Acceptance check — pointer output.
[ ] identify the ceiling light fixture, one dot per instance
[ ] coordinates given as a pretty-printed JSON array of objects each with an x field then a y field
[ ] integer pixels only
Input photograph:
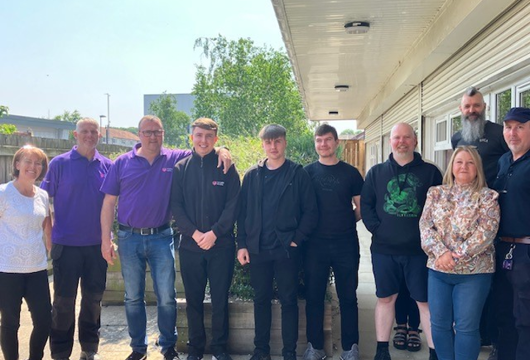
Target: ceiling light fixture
[
  {"x": 357, "y": 27},
  {"x": 341, "y": 88}
]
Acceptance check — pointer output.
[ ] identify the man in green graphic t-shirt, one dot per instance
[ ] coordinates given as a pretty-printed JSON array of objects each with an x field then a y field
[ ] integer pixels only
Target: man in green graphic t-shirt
[{"x": 392, "y": 200}]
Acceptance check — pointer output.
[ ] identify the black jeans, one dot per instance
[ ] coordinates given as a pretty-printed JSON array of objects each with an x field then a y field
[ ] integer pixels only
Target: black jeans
[
  {"x": 34, "y": 288},
  {"x": 342, "y": 255},
  {"x": 262, "y": 273},
  {"x": 407, "y": 311},
  {"x": 71, "y": 263},
  {"x": 512, "y": 301},
  {"x": 217, "y": 266}
]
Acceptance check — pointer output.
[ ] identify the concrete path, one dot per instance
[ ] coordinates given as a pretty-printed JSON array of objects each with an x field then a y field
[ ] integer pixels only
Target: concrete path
[{"x": 115, "y": 340}]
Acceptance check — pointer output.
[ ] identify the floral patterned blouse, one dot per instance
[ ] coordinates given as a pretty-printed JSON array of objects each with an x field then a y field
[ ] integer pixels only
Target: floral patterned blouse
[{"x": 458, "y": 219}]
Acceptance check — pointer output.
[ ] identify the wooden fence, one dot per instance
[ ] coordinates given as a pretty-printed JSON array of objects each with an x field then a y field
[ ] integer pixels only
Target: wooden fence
[
  {"x": 353, "y": 153},
  {"x": 9, "y": 144}
]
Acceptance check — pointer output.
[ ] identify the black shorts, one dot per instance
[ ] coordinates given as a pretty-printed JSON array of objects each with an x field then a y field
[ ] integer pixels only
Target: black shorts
[{"x": 391, "y": 270}]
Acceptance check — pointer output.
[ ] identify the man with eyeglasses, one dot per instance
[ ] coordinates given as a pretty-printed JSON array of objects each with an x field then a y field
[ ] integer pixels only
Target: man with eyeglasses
[
  {"x": 512, "y": 277},
  {"x": 141, "y": 180},
  {"x": 73, "y": 181}
]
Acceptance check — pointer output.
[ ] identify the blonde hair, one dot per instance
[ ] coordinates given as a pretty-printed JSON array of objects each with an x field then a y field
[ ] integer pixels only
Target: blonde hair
[
  {"x": 28, "y": 150},
  {"x": 480, "y": 180}
]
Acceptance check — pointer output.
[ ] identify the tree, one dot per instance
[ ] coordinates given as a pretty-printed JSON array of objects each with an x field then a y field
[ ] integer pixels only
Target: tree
[
  {"x": 4, "y": 110},
  {"x": 7, "y": 129},
  {"x": 175, "y": 122},
  {"x": 72, "y": 117},
  {"x": 244, "y": 87}
]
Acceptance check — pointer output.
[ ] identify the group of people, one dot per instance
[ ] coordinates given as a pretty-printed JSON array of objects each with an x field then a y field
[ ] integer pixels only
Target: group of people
[{"x": 440, "y": 238}]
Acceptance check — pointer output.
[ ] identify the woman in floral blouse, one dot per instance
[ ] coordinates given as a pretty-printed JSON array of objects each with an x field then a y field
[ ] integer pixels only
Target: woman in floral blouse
[{"x": 458, "y": 225}]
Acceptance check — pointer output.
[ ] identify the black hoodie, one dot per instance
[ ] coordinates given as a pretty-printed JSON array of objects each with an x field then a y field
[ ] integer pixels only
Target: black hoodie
[
  {"x": 296, "y": 216},
  {"x": 392, "y": 201}
]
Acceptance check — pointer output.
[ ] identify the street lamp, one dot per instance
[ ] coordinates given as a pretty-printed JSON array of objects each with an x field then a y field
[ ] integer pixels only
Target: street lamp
[
  {"x": 101, "y": 117},
  {"x": 108, "y": 115}
]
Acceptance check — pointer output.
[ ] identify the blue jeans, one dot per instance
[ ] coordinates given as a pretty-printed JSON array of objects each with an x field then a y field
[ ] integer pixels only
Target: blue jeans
[
  {"x": 158, "y": 251},
  {"x": 455, "y": 304}
]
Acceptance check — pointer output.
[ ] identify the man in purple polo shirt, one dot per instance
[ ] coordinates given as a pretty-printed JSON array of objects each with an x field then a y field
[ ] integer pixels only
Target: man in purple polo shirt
[
  {"x": 73, "y": 181},
  {"x": 141, "y": 179}
]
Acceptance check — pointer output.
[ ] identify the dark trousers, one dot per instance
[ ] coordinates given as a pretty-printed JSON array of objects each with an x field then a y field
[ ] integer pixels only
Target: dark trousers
[
  {"x": 34, "y": 288},
  {"x": 342, "y": 255},
  {"x": 262, "y": 273},
  {"x": 217, "y": 267},
  {"x": 512, "y": 301},
  {"x": 71, "y": 264},
  {"x": 407, "y": 311}
]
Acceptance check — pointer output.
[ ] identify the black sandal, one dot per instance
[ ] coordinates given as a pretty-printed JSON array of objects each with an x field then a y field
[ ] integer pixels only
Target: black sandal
[
  {"x": 400, "y": 337},
  {"x": 414, "y": 340}
]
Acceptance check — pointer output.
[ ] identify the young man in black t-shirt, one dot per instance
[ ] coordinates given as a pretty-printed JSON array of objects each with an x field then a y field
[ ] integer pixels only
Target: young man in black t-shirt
[
  {"x": 278, "y": 211},
  {"x": 334, "y": 244}
]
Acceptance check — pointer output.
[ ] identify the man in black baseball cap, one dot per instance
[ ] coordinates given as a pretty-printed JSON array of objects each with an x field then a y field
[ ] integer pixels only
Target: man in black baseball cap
[{"x": 512, "y": 278}]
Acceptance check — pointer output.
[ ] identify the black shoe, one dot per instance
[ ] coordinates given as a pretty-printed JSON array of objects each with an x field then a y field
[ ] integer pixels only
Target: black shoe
[
  {"x": 89, "y": 355},
  {"x": 136, "y": 356},
  {"x": 260, "y": 356},
  {"x": 289, "y": 356},
  {"x": 382, "y": 354},
  {"x": 193, "y": 357},
  {"x": 171, "y": 354},
  {"x": 221, "y": 356}
]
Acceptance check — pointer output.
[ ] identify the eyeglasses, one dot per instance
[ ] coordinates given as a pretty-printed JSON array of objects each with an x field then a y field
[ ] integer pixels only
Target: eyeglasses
[{"x": 149, "y": 133}]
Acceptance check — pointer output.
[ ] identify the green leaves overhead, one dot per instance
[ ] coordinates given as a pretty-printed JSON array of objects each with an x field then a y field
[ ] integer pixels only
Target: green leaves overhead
[{"x": 244, "y": 87}]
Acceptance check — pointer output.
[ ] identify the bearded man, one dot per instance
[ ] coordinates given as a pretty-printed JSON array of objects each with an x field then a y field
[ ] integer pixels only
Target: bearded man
[{"x": 476, "y": 131}]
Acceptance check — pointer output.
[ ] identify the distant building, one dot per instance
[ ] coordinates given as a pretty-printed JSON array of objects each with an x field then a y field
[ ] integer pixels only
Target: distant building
[
  {"x": 45, "y": 128},
  {"x": 184, "y": 102},
  {"x": 119, "y": 137}
]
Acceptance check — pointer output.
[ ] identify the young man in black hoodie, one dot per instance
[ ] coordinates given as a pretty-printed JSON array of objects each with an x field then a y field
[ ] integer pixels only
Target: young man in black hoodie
[
  {"x": 278, "y": 211},
  {"x": 204, "y": 204},
  {"x": 392, "y": 201}
]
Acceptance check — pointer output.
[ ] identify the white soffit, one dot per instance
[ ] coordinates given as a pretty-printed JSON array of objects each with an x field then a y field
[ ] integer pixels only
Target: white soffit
[{"x": 407, "y": 41}]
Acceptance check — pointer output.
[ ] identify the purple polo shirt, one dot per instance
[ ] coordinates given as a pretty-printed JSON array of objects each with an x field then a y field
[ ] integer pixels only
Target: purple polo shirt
[
  {"x": 143, "y": 189},
  {"x": 74, "y": 182}
]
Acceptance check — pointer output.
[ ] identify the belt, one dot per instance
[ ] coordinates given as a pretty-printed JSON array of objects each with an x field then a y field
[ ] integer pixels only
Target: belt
[
  {"x": 522, "y": 240},
  {"x": 144, "y": 231}
]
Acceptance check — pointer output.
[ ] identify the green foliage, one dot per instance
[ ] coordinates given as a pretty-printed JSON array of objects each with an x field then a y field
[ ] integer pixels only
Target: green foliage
[
  {"x": 244, "y": 87},
  {"x": 175, "y": 122},
  {"x": 4, "y": 110},
  {"x": 247, "y": 151},
  {"x": 72, "y": 117},
  {"x": 7, "y": 129}
]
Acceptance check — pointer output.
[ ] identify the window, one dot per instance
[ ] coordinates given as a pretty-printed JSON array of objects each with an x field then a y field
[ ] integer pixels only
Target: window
[
  {"x": 373, "y": 153},
  {"x": 441, "y": 131},
  {"x": 456, "y": 124},
  {"x": 503, "y": 104},
  {"x": 524, "y": 98}
]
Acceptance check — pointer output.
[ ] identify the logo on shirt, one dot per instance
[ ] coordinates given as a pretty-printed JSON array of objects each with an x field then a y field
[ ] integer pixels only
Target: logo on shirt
[
  {"x": 167, "y": 169},
  {"x": 218, "y": 183},
  {"x": 401, "y": 198}
]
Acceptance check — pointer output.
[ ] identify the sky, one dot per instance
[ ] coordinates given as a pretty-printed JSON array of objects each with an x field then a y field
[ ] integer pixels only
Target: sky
[{"x": 58, "y": 55}]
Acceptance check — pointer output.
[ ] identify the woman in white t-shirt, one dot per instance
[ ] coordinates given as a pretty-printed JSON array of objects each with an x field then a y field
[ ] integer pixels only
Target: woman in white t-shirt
[{"x": 24, "y": 219}]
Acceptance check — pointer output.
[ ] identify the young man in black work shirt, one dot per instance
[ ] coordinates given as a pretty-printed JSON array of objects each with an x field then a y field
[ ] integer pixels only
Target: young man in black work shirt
[
  {"x": 334, "y": 244},
  {"x": 204, "y": 204},
  {"x": 278, "y": 211}
]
